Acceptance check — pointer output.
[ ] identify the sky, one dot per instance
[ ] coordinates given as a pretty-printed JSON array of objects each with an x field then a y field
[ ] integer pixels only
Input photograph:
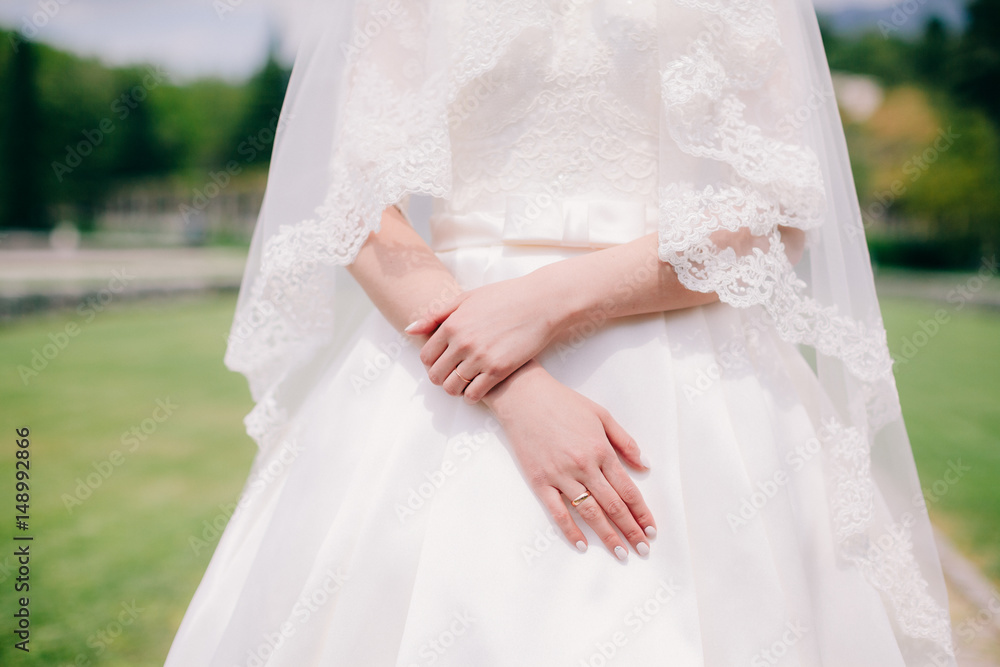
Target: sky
[{"x": 191, "y": 38}]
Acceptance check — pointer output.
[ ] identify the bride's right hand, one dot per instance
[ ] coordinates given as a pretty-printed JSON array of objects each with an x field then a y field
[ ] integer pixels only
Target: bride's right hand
[{"x": 566, "y": 444}]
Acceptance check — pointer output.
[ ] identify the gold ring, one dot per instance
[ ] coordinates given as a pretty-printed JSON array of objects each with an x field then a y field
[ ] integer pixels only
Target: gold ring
[
  {"x": 461, "y": 378},
  {"x": 580, "y": 498}
]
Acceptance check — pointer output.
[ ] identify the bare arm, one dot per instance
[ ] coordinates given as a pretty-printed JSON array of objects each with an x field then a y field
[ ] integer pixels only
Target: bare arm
[
  {"x": 487, "y": 333},
  {"x": 573, "y": 451},
  {"x": 400, "y": 273},
  {"x": 630, "y": 279}
]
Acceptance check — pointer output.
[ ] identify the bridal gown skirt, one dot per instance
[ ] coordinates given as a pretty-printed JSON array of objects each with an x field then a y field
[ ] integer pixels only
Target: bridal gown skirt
[{"x": 392, "y": 527}]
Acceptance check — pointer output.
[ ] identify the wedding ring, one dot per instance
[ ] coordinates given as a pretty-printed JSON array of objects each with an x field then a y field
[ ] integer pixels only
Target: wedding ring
[
  {"x": 462, "y": 378},
  {"x": 580, "y": 498}
]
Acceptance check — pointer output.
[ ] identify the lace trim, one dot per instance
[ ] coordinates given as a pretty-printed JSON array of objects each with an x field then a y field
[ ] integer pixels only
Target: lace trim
[
  {"x": 853, "y": 496},
  {"x": 774, "y": 182},
  {"x": 395, "y": 140},
  {"x": 726, "y": 239},
  {"x": 397, "y": 125},
  {"x": 263, "y": 421},
  {"x": 691, "y": 222},
  {"x": 886, "y": 562}
]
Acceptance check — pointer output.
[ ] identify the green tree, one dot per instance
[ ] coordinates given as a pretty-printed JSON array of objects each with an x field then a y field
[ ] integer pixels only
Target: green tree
[
  {"x": 24, "y": 204},
  {"x": 934, "y": 53},
  {"x": 977, "y": 74},
  {"x": 254, "y": 137},
  {"x": 141, "y": 150}
]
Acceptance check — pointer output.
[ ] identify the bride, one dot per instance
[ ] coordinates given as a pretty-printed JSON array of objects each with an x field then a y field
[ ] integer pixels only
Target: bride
[{"x": 627, "y": 400}]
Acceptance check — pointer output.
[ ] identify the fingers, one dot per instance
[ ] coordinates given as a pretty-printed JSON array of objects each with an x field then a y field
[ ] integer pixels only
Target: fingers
[
  {"x": 553, "y": 501},
  {"x": 431, "y": 357},
  {"x": 471, "y": 385},
  {"x": 481, "y": 385},
  {"x": 421, "y": 327},
  {"x": 457, "y": 382},
  {"x": 622, "y": 441},
  {"x": 618, "y": 513},
  {"x": 638, "y": 511},
  {"x": 590, "y": 511},
  {"x": 433, "y": 318},
  {"x": 622, "y": 484},
  {"x": 458, "y": 376}
]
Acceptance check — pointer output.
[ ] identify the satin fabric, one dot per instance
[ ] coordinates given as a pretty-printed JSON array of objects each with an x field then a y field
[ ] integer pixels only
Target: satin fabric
[
  {"x": 720, "y": 112},
  {"x": 391, "y": 526}
]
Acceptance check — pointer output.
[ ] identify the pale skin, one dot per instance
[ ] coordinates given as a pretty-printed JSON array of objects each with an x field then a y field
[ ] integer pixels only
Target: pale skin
[{"x": 564, "y": 442}]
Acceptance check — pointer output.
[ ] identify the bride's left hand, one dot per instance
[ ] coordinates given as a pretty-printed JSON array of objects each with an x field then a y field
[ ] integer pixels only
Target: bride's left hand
[{"x": 487, "y": 333}]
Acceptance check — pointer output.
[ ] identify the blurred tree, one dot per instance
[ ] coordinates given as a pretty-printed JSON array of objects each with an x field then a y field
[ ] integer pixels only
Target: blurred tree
[
  {"x": 961, "y": 198},
  {"x": 141, "y": 150},
  {"x": 72, "y": 130},
  {"x": 79, "y": 148},
  {"x": 197, "y": 122},
  {"x": 254, "y": 137},
  {"x": 977, "y": 74},
  {"x": 23, "y": 204},
  {"x": 5, "y": 56},
  {"x": 889, "y": 59},
  {"x": 934, "y": 53}
]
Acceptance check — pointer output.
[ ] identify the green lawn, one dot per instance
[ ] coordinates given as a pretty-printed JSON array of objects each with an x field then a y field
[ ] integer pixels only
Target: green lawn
[
  {"x": 950, "y": 391},
  {"x": 128, "y": 541}
]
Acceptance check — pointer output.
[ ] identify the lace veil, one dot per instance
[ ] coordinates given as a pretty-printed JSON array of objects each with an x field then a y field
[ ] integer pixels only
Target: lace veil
[{"x": 745, "y": 100}]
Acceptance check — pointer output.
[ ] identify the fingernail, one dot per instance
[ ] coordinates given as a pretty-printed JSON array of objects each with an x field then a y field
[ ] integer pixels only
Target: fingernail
[
  {"x": 411, "y": 326},
  {"x": 643, "y": 460},
  {"x": 581, "y": 546},
  {"x": 642, "y": 548},
  {"x": 620, "y": 552},
  {"x": 650, "y": 532}
]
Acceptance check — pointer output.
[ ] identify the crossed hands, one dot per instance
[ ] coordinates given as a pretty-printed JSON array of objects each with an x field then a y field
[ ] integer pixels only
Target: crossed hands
[{"x": 565, "y": 443}]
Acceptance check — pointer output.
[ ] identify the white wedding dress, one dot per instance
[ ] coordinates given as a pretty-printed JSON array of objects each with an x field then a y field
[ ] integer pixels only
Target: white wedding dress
[{"x": 390, "y": 526}]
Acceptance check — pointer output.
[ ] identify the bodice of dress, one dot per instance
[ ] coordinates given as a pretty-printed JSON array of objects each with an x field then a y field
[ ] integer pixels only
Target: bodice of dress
[{"x": 558, "y": 144}]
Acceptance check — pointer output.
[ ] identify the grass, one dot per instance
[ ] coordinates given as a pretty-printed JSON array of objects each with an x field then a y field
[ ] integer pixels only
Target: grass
[
  {"x": 128, "y": 541},
  {"x": 950, "y": 394}
]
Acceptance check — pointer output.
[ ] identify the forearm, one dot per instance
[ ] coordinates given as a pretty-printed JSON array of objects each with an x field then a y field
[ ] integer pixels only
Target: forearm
[
  {"x": 623, "y": 280},
  {"x": 400, "y": 273},
  {"x": 628, "y": 279},
  {"x": 486, "y": 334},
  {"x": 547, "y": 424},
  {"x": 403, "y": 278}
]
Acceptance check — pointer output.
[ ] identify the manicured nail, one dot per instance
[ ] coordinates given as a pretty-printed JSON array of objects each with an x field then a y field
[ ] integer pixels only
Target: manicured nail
[
  {"x": 581, "y": 546},
  {"x": 642, "y": 548},
  {"x": 643, "y": 460},
  {"x": 620, "y": 552},
  {"x": 411, "y": 326},
  {"x": 650, "y": 532}
]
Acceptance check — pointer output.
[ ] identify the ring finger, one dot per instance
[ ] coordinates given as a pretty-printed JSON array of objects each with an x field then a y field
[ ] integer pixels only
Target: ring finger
[
  {"x": 619, "y": 513},
  {"x": 590, "y": 511},
  {"x": 458, "y": 381}
]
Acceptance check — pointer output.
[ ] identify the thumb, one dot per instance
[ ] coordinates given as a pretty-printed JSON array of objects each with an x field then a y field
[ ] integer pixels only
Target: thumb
[
  {"x": 427, "y": 323},
  {"x": 623, "y": 443}
]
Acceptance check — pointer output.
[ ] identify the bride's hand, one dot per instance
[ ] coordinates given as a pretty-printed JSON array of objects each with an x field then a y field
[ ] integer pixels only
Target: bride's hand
[
  {"x": 483, "y": 335},
  {"x": 566, "y": 444}
]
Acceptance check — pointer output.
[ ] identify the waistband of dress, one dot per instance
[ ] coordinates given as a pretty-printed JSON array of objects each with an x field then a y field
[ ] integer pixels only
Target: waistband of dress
[{"x": 541, "y": 220}]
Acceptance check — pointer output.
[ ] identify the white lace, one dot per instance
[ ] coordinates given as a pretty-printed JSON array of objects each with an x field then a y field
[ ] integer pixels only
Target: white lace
[
  {"x": 886, "y": 561},
  {"x": 726, "y": 239},
  {"x": 532, "y": 96}
]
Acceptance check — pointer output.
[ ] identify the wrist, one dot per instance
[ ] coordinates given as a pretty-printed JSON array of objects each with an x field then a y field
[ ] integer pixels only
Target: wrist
[
  {"x": 568, "y": 297},
  {"x": 503, "y": 398}
]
